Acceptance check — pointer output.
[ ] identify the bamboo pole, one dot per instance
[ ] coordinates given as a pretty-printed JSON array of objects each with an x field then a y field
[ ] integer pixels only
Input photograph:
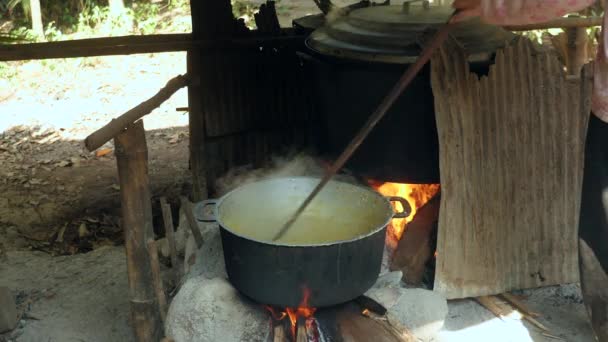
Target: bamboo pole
[
  {"x": 559, "y": 23},
  {"x": 128, "y": 45},
  {"x": 114, "y": 127},
  {"x": 132, "y": 162}
]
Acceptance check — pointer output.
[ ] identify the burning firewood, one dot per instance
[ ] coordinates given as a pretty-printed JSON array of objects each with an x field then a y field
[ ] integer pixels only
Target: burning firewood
[
  {"x": 279, "y": 332},
  {"x": 414, "y": 249},
  {"x": 301, "y": 335}
]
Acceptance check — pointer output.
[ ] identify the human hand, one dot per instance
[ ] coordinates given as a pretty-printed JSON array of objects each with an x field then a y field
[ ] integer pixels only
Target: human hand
[
  {"x": 491, "y": 11},
  {"x": 516, "y": 12}
]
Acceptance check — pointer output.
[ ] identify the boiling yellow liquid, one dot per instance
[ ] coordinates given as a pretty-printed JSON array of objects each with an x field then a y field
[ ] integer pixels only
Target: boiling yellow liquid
[
  {"x": 341, "y": 212},
  {"x": 306, "y": 230}
]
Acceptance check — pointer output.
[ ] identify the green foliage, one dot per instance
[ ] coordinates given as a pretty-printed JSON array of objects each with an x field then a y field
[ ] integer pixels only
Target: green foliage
[
  {"x": 25, "y": 5},
  {"x": 7, "y": 71},
  {"x": 245, "y": 10},
  {"x": 92, "y": 18},
  {"x": 78, "y": 19}
]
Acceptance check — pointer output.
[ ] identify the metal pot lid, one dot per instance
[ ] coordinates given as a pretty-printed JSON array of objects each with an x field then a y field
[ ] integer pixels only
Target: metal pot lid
[{"x": 395, "y": 34}]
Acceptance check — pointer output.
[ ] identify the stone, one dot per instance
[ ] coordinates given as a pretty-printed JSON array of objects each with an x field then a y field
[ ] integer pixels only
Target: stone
[
  {"x": 422, "y": 311},
  {"x": 390, "y": 279},
  {"x": 209, "y": 310},
  {"x": 387, "y": 289},
  {"x": 387, "y": 296},
  {"x": 8, "y": 310},
  {"x": 208, "y": 261}
]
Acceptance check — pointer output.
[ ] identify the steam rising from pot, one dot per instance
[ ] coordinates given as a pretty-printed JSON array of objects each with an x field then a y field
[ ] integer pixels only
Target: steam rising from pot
[{"x": 299, "y": 165}]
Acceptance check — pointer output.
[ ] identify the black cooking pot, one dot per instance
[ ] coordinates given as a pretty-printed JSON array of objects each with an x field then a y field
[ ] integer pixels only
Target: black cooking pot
[
  {"x": 354, "y": 61},
  {"x": 331, "y": 255}
]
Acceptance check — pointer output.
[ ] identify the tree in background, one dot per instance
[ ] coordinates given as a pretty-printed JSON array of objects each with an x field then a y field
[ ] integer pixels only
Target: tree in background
[
  {"x": 31, "y": 8},
  {"x": 116, "y": 6}
]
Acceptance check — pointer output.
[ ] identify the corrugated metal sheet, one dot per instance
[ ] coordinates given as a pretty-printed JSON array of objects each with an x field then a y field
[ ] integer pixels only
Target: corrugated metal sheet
[
  {"x": 511, "y": 159},
  {"x": 255, "y": 103},
  {"x": 255, "y": 90}
]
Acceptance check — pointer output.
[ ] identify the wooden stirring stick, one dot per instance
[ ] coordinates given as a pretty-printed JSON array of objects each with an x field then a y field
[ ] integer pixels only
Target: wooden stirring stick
[{"x": 386, "y": 104}]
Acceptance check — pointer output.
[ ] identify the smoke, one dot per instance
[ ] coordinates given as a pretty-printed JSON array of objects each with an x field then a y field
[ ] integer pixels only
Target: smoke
[
  {"x": 299, "y": 165},
  {"x": 334, "y": 14}
]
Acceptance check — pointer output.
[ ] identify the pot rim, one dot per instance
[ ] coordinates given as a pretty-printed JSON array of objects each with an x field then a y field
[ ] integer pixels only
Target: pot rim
[{"x": 372, "y": 232}]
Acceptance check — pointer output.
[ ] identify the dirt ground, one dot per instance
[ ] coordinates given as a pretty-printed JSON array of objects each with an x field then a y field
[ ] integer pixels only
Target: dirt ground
[{"x": 60, "y": 236}]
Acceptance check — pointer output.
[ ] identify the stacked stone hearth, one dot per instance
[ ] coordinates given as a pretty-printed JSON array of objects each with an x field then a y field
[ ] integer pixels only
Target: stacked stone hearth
[{"x": 208, "y": 308}]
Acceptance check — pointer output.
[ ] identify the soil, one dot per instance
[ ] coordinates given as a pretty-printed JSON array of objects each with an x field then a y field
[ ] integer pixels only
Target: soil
[{"x": 60, "y": 231}]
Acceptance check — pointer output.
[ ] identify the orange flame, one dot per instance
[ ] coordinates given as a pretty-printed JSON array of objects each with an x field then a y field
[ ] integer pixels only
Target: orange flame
[
  {"x": 303, "y": 310},
  {"x": 416, "y": 194}
]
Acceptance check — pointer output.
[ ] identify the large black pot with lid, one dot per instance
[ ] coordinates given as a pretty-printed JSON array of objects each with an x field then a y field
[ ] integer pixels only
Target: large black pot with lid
[{"x": 355, "y": 58}]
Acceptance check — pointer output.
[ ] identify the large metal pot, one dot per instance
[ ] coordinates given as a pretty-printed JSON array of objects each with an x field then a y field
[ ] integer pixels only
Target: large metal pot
[
  {"x": 333, "y": 253},
  {"x": 355, "y": 59}
]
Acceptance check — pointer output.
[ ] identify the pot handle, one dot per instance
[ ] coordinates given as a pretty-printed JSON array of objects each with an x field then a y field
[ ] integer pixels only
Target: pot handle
[
  {"x": 407, "y": 208},
  {"x": 199, "y": 211}
]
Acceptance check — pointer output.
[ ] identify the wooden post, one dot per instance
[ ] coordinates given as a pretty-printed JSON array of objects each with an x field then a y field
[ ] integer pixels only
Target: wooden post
[
  {"x": 197, "y": 128},
  {"x": 132, "y": 161},
  {"x": 213, "y": 20},
  {"x": 576, "y": 49},
  {"x": 195, "y": 115}
]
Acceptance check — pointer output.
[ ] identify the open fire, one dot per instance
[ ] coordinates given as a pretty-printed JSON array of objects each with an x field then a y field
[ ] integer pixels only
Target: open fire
[
  {"x": 416, "y": 194},
  {"x": 303, "y": 311}
]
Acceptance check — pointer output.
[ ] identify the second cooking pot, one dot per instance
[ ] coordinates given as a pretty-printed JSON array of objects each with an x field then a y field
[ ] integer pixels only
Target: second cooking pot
[
  {"x": 354, "y": 61},
  {"x": 332, "y": 254}
]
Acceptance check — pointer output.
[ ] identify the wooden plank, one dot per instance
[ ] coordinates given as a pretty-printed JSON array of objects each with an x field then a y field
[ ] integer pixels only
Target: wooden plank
[
  {"x": 559, "y": 23},
  {"x": 128, "y": 45},
  {"x": 132, "y": 160},
  {"x": 510, "y": 161}
]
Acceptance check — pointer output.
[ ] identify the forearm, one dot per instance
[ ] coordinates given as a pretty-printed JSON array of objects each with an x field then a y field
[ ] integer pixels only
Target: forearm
[{"x": 520, "y": 12}]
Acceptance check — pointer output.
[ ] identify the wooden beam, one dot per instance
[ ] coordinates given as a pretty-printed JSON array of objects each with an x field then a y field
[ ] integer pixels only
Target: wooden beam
[
  {"x": 132, "y": 161},
  {"x": 114, "y": 127},
  {"x": 128, "y": 45},
  {"x": 559, "y": 23}
]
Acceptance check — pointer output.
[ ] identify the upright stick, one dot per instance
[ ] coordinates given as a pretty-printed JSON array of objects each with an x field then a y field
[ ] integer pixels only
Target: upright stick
[
  {"x": 158, "y": 281},
  {"x": 169, "y": 230},
  {"x": 132, "y": 160},
  {"x": 385, "y": 105}
]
